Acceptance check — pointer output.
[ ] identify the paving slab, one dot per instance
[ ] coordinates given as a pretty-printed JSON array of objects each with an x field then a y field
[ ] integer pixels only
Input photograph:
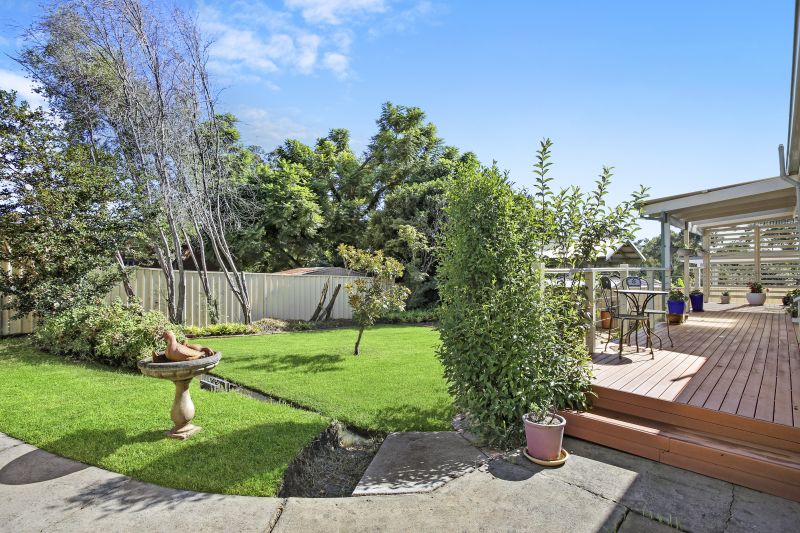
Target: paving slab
[
  {"x": 418, "y": 462},
  {"x": 476, "y": 501},
  {"x": 692, "y": 501},
  {"x": 42, "y": 491},
  {"x": 636, "y": 523},
  {"x": 8, "y": 442},
  {"x": 756, "y": 511},
  {"x": 139, "y": 506}
]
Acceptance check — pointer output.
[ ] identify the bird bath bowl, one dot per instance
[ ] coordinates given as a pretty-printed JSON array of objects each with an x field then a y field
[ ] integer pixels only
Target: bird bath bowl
[{"x": 180, "y": 373}]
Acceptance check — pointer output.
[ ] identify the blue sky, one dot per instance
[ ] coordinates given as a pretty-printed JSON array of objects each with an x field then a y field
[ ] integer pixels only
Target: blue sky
[{"x": 676, "y": 95}]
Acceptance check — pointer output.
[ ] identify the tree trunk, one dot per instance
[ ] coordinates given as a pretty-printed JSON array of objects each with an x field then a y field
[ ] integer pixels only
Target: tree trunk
[
  {"x": 329, "y": 308},
  {"x": 321, "y": 303},
  {"x": 126, "y": 281},
  {"x": 358, "y": 340}
]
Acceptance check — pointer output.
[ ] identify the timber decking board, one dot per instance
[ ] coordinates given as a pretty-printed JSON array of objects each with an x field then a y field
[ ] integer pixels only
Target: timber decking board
[{"x": 735, "y": 359}]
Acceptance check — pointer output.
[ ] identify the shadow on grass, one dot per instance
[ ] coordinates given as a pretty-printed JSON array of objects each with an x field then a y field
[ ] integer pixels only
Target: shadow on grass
[
  {"x": 315, "y": 363},
  {"x": 248, "y": 461}
]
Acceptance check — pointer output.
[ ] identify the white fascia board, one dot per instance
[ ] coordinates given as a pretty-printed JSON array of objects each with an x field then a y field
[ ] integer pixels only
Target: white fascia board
[
  {"x": 742, "y": 219},
  {"x": 733, "y": 192}
]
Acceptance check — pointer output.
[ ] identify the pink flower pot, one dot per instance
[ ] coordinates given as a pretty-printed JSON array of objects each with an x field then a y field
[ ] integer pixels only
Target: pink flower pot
[{"x": 544, "y": 440}]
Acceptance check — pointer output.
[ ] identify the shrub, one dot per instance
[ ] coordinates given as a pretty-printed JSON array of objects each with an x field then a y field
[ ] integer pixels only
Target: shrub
[
  {"x": 226, "y": 328},
  {"x": 509, "y": 345},
  {"x": 756, "y": 287},
  {"x": 411, "y": 316},
  {"x": 116, "y": 334}
]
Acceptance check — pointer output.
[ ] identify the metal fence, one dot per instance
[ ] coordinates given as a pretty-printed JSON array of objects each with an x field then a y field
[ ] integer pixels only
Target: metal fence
[{"x": 288, "y": 297}]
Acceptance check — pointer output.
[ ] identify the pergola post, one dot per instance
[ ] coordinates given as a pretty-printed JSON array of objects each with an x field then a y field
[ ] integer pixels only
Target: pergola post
[
  {"x": 706, "y": 266},
  {"x": 666, "y": 250},
  {"x": 686, "y": 282}
]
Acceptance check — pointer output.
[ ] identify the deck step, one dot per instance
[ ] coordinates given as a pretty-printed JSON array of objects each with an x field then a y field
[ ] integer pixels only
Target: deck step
[
  {"x": 720, "y": 424},
  {"x": 754, "y": 465}
]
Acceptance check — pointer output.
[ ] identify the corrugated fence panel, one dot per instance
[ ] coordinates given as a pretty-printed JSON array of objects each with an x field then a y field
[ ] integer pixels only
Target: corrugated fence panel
[{"x": 271, "y": 296}]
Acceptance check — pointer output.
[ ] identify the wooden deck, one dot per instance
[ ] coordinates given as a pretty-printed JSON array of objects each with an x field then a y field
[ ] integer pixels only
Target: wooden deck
[
  {"x": 723, "y": 401},
  {"x": 735, "y": 359}
]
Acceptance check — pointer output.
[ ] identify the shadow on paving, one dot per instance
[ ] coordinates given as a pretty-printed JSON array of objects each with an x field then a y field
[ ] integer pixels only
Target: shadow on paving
[
  {"x": 418, "y": 462},
  {"x": 37, "y": 466}
]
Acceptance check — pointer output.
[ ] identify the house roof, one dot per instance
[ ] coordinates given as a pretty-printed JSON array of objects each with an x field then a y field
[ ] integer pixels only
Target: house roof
[
  {"x": 747, "y": 201},
  {"x": 627, "y": 251},
  {"x": 319, "y": 271}
]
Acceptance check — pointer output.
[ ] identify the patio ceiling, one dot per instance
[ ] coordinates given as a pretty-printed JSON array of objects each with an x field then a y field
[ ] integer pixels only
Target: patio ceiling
[{"x": 749, "y": 201}]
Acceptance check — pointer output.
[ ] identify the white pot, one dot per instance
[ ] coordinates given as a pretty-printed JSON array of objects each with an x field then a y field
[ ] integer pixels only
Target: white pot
[
  {"x": 756, "y": 298},
  {"x": 725, "y": 299}
]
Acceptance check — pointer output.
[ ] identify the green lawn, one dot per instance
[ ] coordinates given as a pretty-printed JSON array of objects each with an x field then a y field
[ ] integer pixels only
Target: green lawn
[
  {"x": 116, "y": 420},
  {"x": 396, "y": 383}
]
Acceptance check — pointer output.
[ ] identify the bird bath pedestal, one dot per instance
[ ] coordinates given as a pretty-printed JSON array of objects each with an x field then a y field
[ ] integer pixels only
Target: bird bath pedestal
[{"x": 180, "y": 373}]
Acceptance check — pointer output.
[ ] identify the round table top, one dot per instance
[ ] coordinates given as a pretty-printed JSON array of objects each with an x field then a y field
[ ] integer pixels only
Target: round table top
[{"x": 642, "y": 291}]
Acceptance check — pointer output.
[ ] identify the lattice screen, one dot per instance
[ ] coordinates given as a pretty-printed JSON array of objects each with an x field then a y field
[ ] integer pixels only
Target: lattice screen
[{"x": 768, "y": 252}]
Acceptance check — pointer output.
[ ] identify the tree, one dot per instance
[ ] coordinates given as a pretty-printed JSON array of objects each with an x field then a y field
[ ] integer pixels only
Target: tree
[
  {"x": 62, "y": 214},
  {"x": 132, "y": 78},
  {"x": 350, "y": 190},
  {"x": 374, "y": 297}
]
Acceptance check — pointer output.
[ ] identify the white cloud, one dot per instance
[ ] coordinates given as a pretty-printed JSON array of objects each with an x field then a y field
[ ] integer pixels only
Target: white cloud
[
  {"x": 337, "y": 63},
  {"x": 334, "y": 11},
  {"x": 253, "y": 42},
  {"x": 269, "y": 129},
  {"x": 241, "y": 52},
  {"x": 13, "y": 81}
]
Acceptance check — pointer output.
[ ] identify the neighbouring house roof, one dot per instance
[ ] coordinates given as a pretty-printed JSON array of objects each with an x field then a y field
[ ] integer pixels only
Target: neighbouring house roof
[
  {"x": 319, "y": 271},
  {"x": 627, "y": 252}
]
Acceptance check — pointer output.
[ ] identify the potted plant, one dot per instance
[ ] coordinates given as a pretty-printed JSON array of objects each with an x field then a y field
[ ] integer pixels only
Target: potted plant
[
  {"x": 696, "y": 297},
  {"x": 676, "y": 305},
  {"x": 725, "y": 298},
  {"x": 790, "y": 296},
  {"x": 544, "y": 435},
  {"x": 757, "y": 295}
]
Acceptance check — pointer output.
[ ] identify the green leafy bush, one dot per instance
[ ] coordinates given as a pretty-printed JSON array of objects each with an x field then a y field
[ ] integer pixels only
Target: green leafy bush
[
  {"x": 411, "y": 316},
  {"x": 214, "y": 330},
  {"x": 509, "y": 345},
  {"x": 116, "y": 334}
]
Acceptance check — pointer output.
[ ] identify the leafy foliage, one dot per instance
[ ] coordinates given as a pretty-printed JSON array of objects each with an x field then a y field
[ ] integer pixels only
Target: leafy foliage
[
  {"x": 374, "y": 297},
  {"x": 225, "y": 328},
  {"x": 511, "y": 344},
  {"x": 62, "y": 214},
  {"x": 116, "y": 334}
]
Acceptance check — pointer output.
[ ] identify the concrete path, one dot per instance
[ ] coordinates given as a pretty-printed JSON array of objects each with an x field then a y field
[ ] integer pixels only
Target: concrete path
[
  {"x": 418, "y": 461},
  {"x": 597, "y": 490}
]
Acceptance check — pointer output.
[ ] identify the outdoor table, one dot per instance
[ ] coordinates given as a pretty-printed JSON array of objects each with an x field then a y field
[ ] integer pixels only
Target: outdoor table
[{"x": 640, "y": 307}]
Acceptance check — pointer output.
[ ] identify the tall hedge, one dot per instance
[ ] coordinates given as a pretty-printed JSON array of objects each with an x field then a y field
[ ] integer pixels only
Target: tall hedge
[{"x": 510, "y": 344}]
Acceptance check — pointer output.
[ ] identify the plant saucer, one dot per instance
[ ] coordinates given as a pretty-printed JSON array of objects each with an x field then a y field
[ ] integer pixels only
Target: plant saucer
[{"x": 562, "y": 458}]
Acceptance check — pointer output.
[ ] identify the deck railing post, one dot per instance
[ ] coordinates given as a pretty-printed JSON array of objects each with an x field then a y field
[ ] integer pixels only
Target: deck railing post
[
  {"x": 757, "y": 253},
  {"x": 591, "y": 304},
  {"x": 624, "y": 272}
]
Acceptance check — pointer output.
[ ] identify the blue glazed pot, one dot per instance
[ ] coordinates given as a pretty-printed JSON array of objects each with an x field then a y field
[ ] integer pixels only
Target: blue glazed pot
[
  {"x": 676, "y": 307},
  {"x": 697, "y": 302}
]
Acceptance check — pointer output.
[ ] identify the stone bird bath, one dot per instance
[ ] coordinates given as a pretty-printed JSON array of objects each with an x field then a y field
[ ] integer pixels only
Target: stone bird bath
[{"x": 180, "y": 373}]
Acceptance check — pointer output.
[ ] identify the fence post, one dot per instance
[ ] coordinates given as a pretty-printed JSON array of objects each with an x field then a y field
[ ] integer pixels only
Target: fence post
[
  {"x": 592, "y": 310},
  {"x": 757, "y": 253}
]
